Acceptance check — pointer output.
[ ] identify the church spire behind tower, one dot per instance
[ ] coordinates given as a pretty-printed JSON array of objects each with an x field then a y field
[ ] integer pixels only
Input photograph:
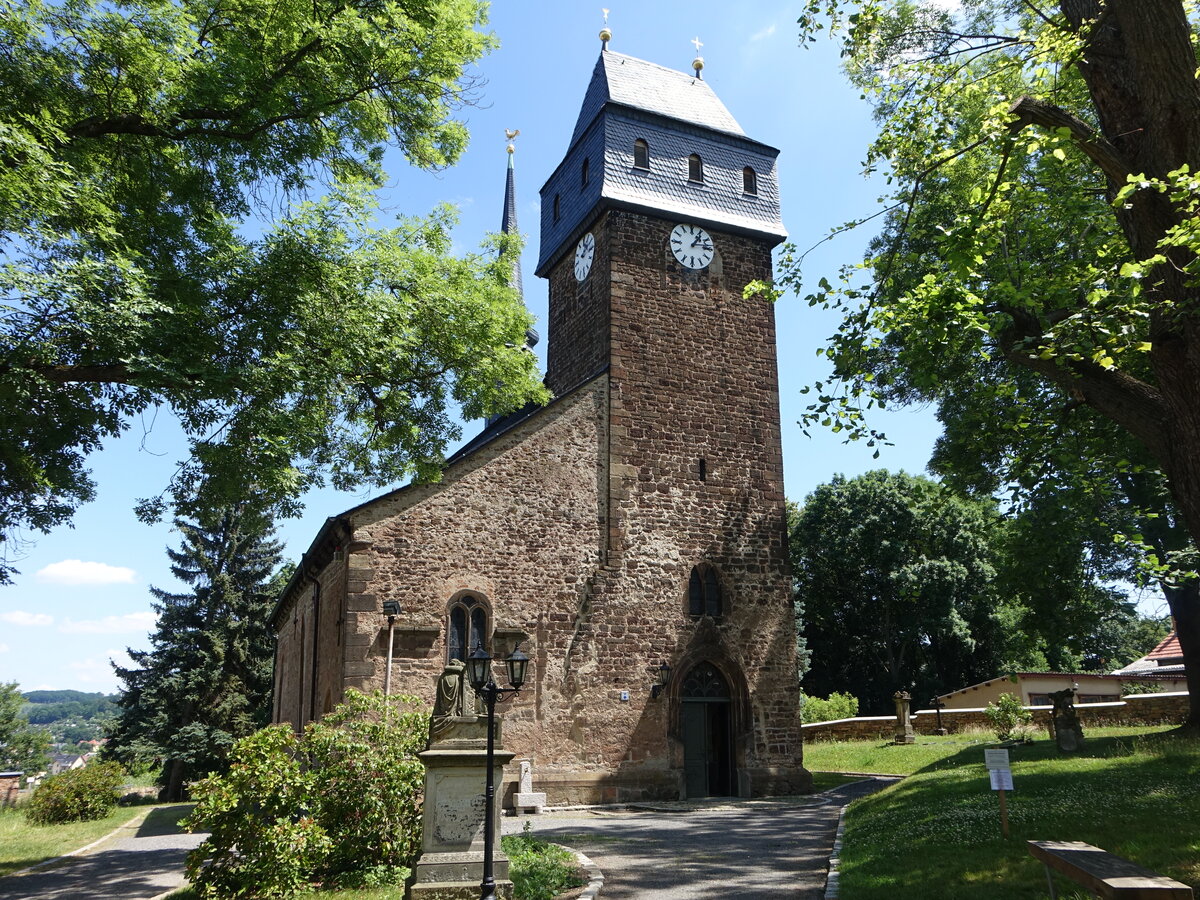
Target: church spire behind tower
[{"x": 508, "y": 223}]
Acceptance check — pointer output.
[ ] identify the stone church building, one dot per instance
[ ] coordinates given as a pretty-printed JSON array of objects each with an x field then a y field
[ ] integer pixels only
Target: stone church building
[{"x": 636, "y": 520}]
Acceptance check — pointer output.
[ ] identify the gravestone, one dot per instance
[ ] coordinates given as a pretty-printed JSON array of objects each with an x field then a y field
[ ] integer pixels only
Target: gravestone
[
  {"x": 526, "y": 801},
  {"x": 450, "y": 866},
  {"x": 1068, "y": 733},
  {"x": 904, "y": 729}
]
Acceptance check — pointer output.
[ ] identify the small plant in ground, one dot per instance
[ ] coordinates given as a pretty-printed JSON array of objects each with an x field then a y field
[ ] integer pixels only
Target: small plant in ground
[
  {"x": 539, "y": 870},
  {"x": 1006, "y": 716},
  {"x": 837, "y": 706},
  {"x": 77, "y": 795}
]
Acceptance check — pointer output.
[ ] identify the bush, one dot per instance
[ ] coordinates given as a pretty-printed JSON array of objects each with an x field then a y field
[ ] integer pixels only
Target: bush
[
  {"x": 1006, "y": 716},
  {"x": 340, "y": 804},
  {"x": 837, "y": 706},
  {"x": 77, "y": 795}
]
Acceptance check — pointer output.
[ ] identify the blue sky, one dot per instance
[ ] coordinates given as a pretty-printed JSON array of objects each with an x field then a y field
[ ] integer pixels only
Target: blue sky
[{"x": 82, "y": 596}]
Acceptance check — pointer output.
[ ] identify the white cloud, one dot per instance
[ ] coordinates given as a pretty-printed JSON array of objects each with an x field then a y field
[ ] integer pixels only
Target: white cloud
[
  {"x": 130, "y": 623},
  {"x": 98, "y": 670},
  {"x": 764, "y": 33},
  {"x": 76, "y": 571},
  {"x": 3, "y": 648},
  {"x": 20, "y": 617}
]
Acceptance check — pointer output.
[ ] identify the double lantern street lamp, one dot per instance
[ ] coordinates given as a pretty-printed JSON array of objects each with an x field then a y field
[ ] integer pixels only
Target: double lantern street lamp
[{"x": 479, "y": 672}]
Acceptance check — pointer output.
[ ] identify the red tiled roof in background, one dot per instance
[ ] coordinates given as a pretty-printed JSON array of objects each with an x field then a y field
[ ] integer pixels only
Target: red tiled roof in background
[{"x": 1168, "y": 649}]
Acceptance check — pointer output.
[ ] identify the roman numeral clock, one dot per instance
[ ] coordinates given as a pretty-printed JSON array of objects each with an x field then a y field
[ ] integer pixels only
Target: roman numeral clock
[{"x": 692, "y": 246}]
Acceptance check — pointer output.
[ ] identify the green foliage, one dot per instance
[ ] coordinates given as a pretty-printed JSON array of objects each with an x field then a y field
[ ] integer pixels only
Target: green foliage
[
  {"x": 166, "y": 247},
  {"x": 341, "y": 803},
  {"x": 896, "y": 575},
  {"x": 77, "y": 795},
  {"x": 1006, "y": 716},
  {"x": 539, "y": 870},
  {"x": 836, "y": 706},
  {"x": 1036, "y": 279},
  {"x": 206, "y": 680},
  {"x": 264, "y": 839},
  {"x": 22, "y": 747},
  {"x": 46, "y": 707}
]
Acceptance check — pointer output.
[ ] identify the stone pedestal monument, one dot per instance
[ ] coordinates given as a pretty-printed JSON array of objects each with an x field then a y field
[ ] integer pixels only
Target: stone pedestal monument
[
  {"x": 450, "y": 866},
  {"x": 1064, "y": 723},
  {"x": 904, "y": 729},
  {"x": 527, "y": 800}
]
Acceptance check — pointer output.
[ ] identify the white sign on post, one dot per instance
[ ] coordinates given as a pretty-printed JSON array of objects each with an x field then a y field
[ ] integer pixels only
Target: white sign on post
[
  {"x": 995, "y": 759},
  {"x": 1001, "y": 779}
]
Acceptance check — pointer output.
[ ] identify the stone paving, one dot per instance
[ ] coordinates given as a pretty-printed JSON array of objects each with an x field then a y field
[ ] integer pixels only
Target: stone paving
[{"x": 728, "y": 849}]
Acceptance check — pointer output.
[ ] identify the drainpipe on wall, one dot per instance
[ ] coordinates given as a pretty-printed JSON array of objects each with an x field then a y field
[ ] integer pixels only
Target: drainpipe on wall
[{"x": 316, "y": 646}]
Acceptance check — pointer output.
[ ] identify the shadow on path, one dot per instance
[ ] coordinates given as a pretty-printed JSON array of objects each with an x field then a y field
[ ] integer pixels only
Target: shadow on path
[{"x": 732, "y": 850}]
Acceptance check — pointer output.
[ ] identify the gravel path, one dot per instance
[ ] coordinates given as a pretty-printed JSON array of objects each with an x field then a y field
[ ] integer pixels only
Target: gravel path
[
  {"x": 733, "y": 850},
  {"x": 142, "y": 860}
]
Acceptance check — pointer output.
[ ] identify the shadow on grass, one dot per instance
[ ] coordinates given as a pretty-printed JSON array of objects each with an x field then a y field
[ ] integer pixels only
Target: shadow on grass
[{"x": 937, "y": 833}]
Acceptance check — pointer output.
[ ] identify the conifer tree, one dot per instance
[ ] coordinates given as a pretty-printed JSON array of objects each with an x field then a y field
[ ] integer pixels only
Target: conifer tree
[{"x": 207, "y": 679}]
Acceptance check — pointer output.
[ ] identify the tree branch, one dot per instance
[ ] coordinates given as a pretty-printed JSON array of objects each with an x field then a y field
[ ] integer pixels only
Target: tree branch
[{"x": 1031, "y": 111}]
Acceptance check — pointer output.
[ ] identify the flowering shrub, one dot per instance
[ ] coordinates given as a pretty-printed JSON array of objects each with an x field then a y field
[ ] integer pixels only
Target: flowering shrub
[
  {"x": 77, "y": 795},
  {"x": 340, "y": 803}
]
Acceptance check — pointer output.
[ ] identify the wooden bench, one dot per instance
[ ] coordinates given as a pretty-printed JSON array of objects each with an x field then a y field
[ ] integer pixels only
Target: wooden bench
[{"x": 1103, "y": 874}]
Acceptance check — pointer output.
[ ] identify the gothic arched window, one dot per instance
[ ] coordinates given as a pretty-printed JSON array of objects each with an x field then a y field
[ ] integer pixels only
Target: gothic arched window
[
  {"x": 695, "y": 169},
  {"x": 468, "y": 627},
  {"x": 704, "y": 592},
  {"x": 584, "y": 174},
  {"x": 557, "y": 212},
  {"x": 641, "y": 154},
  {"x": 749, "y": 181}
]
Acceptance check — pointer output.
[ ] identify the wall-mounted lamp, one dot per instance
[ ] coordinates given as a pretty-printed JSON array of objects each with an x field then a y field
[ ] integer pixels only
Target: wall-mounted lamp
[
  {"x": 391, "y": 608},
  {"x": 663, "y": 674}
]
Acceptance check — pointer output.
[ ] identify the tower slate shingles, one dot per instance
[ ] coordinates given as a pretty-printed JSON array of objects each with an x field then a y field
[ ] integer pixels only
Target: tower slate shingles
[{"x": 677, "y": 114}]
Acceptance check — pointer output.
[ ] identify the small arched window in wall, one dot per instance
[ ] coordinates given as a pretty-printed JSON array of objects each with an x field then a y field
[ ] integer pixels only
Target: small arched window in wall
[
  {"x": 468, "y": 627},
  {"x": 641, "y": 154},
  {"x": 557, "y": 210},
  {"x": 583, "y": 174},
  {"x": 704, "y": 592},
  {"x": 695, "y": 169},
  {"x": 749, "y": 182}
]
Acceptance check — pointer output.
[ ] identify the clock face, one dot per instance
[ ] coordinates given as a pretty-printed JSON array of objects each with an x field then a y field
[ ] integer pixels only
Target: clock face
[
  {"x": 584, "y": 251},
  {"x": 692, "y": 246}
]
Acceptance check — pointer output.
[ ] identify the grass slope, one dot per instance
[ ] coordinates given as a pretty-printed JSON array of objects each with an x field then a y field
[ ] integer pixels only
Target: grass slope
[
  {"x": 1133, "y": 792},
  {"x": 23, "y": 845}
]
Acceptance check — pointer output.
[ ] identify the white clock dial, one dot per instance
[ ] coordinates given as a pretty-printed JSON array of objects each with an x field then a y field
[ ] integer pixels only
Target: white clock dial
[
  {"x": 692, "y": 246},
  {"x": 584, "y": 251}
]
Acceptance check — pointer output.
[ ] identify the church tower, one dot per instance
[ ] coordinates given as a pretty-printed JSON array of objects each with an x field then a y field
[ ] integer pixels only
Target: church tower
[{"x": 660, "y": 213}]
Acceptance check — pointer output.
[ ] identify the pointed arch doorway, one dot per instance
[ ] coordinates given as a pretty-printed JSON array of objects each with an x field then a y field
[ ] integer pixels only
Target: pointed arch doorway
[{"x": 706, "y": 719}]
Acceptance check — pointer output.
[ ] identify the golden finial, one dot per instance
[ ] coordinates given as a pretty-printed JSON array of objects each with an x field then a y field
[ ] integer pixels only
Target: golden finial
[
  {"x": 510, "y": 134},
  {"x": 605, "y": 32},
  {"x": 698, "y": 62}
]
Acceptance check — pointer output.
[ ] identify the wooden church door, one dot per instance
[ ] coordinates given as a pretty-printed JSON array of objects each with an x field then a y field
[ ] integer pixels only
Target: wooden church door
[{"x": 707, "y": 735}]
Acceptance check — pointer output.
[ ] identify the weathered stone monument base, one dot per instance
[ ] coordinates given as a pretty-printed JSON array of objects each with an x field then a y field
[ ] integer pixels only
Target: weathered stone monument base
[
  {"x": 527, "y": 800},
  {"x": 904, "y": 729},
  {"x": 450, "y": 866}
]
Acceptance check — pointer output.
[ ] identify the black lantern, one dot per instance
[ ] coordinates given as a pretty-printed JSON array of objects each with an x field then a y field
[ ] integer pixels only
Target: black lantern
[
  {"x": 479, "y": 668},
  {"x": 516, "y": 664},
  {"x": 664, "y": 678},
  {"x": 391, "y": 607}
]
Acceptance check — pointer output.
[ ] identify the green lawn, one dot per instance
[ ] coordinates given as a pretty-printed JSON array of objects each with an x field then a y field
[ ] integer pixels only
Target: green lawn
[
  {"x": 23, "y": 845},
  {"x": 1134, "y": 792}
]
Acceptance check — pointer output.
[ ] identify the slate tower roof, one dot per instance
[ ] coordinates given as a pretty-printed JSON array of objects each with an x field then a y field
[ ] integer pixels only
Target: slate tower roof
[
  {"x": 508, "y": 221},
  {"x": 676, "y": 115}
]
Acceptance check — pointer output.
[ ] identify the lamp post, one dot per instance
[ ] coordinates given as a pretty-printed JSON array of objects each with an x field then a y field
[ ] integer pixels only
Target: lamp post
[
  {"x": 391, "y": 608},
  {"x": 479, "y": 671}
]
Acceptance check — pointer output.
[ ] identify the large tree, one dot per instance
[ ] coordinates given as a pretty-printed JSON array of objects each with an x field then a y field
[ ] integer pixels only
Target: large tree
[
  {"x": 166, "y": 244},
  {"x": 22, "y": 746},
  {"x": 206, "y": 681},
  {"x": 897, "y": 578},
  {"x": 1045, "y": 157}
]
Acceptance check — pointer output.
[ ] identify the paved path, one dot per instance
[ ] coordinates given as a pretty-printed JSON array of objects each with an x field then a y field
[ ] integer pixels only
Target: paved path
[
  {"x": 732, "y": 850},
  {"x": 142, "y": 860}
]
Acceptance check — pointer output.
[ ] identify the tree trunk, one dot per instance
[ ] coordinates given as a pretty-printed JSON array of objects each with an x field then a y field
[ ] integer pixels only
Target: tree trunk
[
  {"x": 173, "y": 792},
  {"x": 1140, "y": 68}
]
